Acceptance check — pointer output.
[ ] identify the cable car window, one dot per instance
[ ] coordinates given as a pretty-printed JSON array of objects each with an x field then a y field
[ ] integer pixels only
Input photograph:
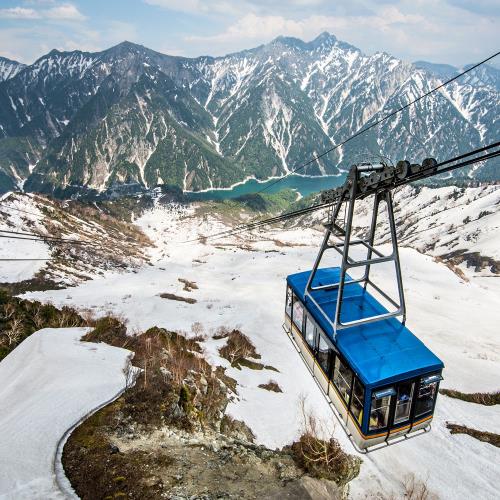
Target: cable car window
[
  {"x": 358, "y": 396},
  {"x": 298, "y": 313},
  {"x": 403, "y": 402},
  {"x": 323, "y": 353},
  {"x": 288, "y": 306},
  {"x": 425, "y": 397},
  {"x": 379, "y": 414},
  {"x": 309, "y": 333},
  {"x": 342, "y": 378}
]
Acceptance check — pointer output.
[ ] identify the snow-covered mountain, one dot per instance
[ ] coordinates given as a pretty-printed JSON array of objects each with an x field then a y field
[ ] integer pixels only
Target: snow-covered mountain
[
  {"x": 132, "y": 115},
  {"x": 9, "y": 68},
  {"x": 459, "y": 226}
]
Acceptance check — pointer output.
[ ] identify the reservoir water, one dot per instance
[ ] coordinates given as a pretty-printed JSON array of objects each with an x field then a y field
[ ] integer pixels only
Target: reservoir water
[{"x": 303, "y": 185}]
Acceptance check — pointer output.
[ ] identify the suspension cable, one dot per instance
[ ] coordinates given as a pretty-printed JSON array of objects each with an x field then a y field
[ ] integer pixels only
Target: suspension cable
[
  {"x": 46, "y": 240},
  {"x": 38, "y": 235}
]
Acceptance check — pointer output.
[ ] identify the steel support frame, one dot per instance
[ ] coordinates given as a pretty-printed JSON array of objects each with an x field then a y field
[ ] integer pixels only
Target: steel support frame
[{"x": 343, "y": 247}]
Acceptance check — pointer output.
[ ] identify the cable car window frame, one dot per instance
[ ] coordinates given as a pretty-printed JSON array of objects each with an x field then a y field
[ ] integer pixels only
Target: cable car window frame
[
  {"x": 321, "y": 337},
  {"x": 421, "y": 384},
  {"x": 388, "y": 406},
  {"x": 309, "y": 321},
  {"x": 405, "y": 418},
  {"x": 295, "y": 300},
  {"x": 289, "y": 302},
  {"x": 349, "y": 385},
  {"x": 359, "y": 417}
]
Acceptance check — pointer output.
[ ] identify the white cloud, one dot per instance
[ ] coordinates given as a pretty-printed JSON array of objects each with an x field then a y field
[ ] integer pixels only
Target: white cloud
[
  {"x": 233, "y": 7},
  {"x": 252, "y": 27},
  {"x": 199, "y": 6},
  {"x": 27, "y": 44},
  {"x": 62, "y": 12},
  {"x": 409, "y": 29},
  {"x": 66, "y": 11},
  {"x": 18, "y": 13}
]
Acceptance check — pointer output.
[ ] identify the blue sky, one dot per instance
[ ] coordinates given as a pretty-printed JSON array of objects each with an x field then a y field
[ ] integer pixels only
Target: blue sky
[{"x": 446, "y": 31}]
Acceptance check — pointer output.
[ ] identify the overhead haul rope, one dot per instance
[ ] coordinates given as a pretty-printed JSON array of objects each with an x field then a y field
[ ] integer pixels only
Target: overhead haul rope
[
  {"x": 319, "y": 206},
  {"x": 46, "y": 240},
  {"x": 21, "y": 235},
  {"x": 27, "y": 259},
  {"x": 378, "y": 122},
  {"x": 41, "y": 236}
]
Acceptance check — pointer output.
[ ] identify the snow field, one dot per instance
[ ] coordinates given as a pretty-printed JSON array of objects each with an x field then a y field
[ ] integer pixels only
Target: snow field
[
  {"x": 47, "y": 384},
  {"x": 245, "y": 288},
  {"x": 11, "y": 219},
  {"x": 446, "y": 220}
]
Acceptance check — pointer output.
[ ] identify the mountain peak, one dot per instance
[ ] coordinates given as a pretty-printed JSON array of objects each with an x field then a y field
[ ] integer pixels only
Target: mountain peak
[
  {"x": 440, "y": 70},
  {"x": 126, "y": 46},
  {"x": 324, "y": 37},
  {"x": 289, "y": 41}
]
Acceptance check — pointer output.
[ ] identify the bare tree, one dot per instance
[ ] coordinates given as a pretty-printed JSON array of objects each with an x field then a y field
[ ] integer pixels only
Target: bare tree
[
  {"x": 314, "y": 447},
  {"x": 320, "y": 454},
  {"x": 38, "y": 318},
  {"x": 67, "y": 319},
  {"x": 412, "y": 489},
  {"x": 14, "y": 331},
  {"x": 199, "y": 331},
  {"x": 88, "y": 317},
  {"x": 197, "y": 328},
  {"x": 238, "y": 347},
  {"x": 416, "y": 489},
  {"x": 8, "y": 310}
]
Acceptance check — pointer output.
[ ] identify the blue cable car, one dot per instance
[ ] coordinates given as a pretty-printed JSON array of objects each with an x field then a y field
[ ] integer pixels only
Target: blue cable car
[{"x": 382, "y": 380}]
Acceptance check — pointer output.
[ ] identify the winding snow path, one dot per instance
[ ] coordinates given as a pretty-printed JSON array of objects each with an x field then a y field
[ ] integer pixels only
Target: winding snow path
[{"x": 47, "y": 384}]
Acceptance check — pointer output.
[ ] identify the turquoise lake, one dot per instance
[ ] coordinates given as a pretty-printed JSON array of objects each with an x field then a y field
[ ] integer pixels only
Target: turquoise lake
[{"x": 303, "y": 185}]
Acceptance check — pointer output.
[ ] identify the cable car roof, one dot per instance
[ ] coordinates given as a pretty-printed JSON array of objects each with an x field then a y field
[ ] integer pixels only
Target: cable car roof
[{"x": 380, "y": 353}]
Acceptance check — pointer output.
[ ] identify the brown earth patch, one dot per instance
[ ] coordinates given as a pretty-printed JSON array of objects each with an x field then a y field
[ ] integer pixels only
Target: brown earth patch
[
  {"x": 188, "y": 285},
  {"x": 172, "y": 296},
  {"x": 271, "y": 386},
  {"x": 481, "y": 398},
  {"x": 485, "y": 437}
]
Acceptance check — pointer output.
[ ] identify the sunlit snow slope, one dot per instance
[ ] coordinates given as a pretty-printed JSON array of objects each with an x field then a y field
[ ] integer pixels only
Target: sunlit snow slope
[
  {"x": 47, "y": 384},
  {"x": 242, "y": 283}
]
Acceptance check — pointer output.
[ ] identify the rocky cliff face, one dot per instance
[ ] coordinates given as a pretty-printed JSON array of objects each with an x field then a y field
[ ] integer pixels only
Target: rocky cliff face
[{"x": 132, "y": 115}]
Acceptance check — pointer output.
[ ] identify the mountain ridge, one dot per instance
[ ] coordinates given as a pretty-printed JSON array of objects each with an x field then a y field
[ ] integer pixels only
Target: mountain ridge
[
  {"x": 9, "y": 68},
  {"x": 129, "y": 114}
]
